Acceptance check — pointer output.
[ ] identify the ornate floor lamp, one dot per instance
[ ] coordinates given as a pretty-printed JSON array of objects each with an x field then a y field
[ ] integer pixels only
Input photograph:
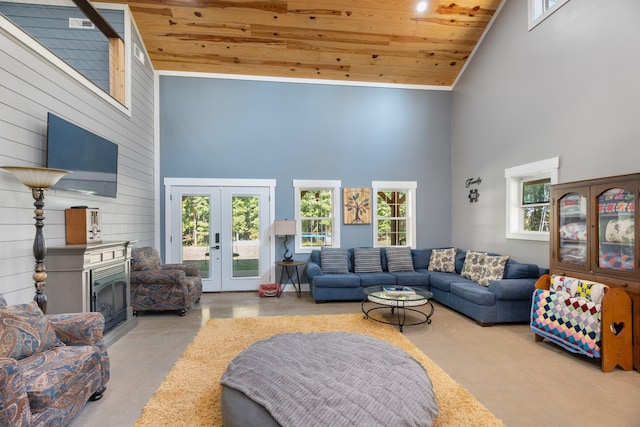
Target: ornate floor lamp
[{"x": 38, "y": 180}]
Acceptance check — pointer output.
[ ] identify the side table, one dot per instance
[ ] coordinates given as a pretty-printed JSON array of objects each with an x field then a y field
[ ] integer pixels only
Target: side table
[{"x": 289, "y": 268}]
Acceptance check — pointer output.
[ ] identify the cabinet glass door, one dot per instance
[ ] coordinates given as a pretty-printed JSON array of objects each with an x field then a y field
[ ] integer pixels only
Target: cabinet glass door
[
  {"x": 572, "y": 239},
  {"x": 616, "y": 230}
]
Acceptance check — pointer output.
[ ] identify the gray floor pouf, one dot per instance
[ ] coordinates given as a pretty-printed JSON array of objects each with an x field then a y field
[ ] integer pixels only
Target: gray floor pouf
[{"x": 328, "y": 378}]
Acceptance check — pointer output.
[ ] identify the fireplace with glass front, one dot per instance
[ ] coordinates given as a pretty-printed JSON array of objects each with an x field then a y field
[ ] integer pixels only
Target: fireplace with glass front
[
  {"x": 109, "y": 295},
  {"x": 92, "y": 277}
]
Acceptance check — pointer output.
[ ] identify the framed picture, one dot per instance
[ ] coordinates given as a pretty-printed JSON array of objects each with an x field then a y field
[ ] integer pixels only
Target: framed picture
[{"x": 357, "y": 205}]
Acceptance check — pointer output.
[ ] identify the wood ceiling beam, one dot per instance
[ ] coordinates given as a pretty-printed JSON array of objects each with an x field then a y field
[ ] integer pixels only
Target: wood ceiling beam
[{"x": 97, "y": 18}]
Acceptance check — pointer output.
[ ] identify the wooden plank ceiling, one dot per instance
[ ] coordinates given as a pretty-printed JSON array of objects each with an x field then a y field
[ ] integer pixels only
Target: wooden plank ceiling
[{"x": 387, "y": 42}]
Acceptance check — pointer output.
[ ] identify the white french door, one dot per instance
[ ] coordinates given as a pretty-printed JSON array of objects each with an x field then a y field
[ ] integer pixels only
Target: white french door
[{"x": 224, "y": 230}]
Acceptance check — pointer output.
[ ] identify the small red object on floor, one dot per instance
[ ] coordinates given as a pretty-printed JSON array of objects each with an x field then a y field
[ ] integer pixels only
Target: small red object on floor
[{"x": 269, "y": 290}]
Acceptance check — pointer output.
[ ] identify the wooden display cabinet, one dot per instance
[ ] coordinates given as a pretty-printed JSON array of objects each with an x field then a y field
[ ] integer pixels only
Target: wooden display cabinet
[{"x": 594, "y": 236}]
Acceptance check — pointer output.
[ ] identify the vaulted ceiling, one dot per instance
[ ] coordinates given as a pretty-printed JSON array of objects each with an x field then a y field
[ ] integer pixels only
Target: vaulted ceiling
[{"x": 386, "y": 42}]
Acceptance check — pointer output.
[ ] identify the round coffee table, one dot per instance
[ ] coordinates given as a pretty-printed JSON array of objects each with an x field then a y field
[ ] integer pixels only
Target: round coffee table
[{"x": 388, "y": 296}]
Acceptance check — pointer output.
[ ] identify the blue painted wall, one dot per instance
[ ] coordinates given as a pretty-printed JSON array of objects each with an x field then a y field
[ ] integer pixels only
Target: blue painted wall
[
  {"x": 216, "y": 128},
  {"x": 86, "y": 50}
]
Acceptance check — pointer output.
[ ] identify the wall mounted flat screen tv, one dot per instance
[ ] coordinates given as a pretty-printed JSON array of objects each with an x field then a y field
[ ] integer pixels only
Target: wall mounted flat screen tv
[{"x": 92, "y": 159}]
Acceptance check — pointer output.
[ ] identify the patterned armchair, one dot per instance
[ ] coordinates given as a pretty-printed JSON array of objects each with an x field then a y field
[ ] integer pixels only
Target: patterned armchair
[
  {"x": 49, "y": 365},
  {"x": 158, "y": 287}
]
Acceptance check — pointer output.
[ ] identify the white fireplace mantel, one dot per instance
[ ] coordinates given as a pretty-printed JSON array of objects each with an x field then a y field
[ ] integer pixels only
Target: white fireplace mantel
[{"x": 70, "y": 269}]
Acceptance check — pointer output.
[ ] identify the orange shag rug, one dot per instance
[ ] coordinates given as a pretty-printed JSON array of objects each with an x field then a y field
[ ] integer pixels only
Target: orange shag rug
[{"x": 190, "y": 393}]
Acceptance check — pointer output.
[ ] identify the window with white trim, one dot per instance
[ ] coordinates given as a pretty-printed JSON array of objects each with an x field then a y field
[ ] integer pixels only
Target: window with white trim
[
  {"x": 317, "y": 207},
  {"x": 528, "y": 209},
  {"x": 394, "y": 213},
  {"x": 539, "y": 10}
]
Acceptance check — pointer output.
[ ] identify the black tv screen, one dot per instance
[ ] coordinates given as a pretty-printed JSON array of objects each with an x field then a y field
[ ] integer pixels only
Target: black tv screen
[{"x": 92, "y": 159}]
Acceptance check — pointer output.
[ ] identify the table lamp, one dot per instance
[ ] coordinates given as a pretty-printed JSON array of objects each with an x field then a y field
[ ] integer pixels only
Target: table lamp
[{"x": 286, "y": 228}]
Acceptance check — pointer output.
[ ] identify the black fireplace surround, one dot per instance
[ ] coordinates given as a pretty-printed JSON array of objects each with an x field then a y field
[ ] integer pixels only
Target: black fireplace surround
[{"x": 109, "y": 295}]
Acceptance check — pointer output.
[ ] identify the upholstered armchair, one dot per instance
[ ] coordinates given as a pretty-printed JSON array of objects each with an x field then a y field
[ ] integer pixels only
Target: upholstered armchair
[
  {"x": 50, "y": 365},
  {"x": 158, "y": 287}
]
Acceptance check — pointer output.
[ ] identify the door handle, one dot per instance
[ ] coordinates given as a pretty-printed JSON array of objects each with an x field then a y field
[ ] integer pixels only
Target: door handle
[{"x": 215, "y": 247}]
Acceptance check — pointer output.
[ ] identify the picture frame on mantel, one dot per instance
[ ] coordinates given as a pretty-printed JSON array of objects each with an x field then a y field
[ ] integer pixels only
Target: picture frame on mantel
[{"x": 356, "y": 205}]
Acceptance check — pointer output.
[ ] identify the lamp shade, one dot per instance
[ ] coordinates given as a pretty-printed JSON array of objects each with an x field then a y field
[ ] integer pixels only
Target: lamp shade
[
  {"x": 36, "y": 177},
  {"x": 285, "y": 227}
]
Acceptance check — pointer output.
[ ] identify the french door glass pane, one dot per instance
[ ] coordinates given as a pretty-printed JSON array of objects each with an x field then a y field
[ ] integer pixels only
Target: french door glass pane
[
  {"x": 245, "y": 236},
  {"x": 195, "y": 232}
]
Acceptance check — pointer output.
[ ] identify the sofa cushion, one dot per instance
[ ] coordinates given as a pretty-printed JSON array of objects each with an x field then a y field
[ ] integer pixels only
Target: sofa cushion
[
  {"x": 367, "y": 260},
  {"x": 493, "y": 268},
  {"x": 421, "y": 258},
  {"x": 519, "y": 270},
  {"x": 159, "y": 277},
  {"x": 460, "y": 257},
  {"x": 512, "y": 289},
  {"x": 399, "y": 259},
  {"x": 145, "y": 258},
  {"x": 473, "y": 292},
  {"x": 411, "y": 278},
  {"x": 50, "y": 374},
  {"x": 334, "y": 260},
  {"x": 443, "y": 260},
  {"x": 25, "y": 331},
  {"x": 349, "y": 280},
  {"x": 315, "y": 256},
  {"x": 374, "y": 279},
  {"x": 443, "y": 281},
  {"x": 473, "y": 265}
]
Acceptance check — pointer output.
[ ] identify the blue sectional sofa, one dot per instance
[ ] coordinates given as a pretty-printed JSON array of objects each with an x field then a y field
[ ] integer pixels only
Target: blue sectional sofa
[{"x": 502, "y": 301}]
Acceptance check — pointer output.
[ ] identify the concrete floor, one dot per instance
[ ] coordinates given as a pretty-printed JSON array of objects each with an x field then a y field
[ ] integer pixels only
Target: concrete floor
[{"x": 522, "y": 382}]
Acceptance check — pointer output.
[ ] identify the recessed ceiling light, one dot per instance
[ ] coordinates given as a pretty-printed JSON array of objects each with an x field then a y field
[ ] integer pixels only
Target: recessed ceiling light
[{"x": 422, "y": 6}]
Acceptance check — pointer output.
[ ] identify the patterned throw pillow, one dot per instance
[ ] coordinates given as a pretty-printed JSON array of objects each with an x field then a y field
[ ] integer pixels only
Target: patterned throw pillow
[
  {"x": 367, "y": 260},
  {"x": 334, "y": 260},
  {"x": 443, "y": 260},
  {"x": 399, "y": 259},
  {"x": 24, "y": 331},
  {"x": 473, "y": 265},
  {"x": 493, "y": 268}
]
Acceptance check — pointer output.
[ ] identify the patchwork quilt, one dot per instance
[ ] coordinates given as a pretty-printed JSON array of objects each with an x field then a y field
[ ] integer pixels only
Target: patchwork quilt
[
  {"x": 569, "y": 315},
  {"x": 616, "y": 261}
]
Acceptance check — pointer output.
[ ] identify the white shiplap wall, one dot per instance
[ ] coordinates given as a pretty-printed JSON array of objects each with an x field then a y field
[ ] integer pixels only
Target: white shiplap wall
[{"x": 30, "y": 87}]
